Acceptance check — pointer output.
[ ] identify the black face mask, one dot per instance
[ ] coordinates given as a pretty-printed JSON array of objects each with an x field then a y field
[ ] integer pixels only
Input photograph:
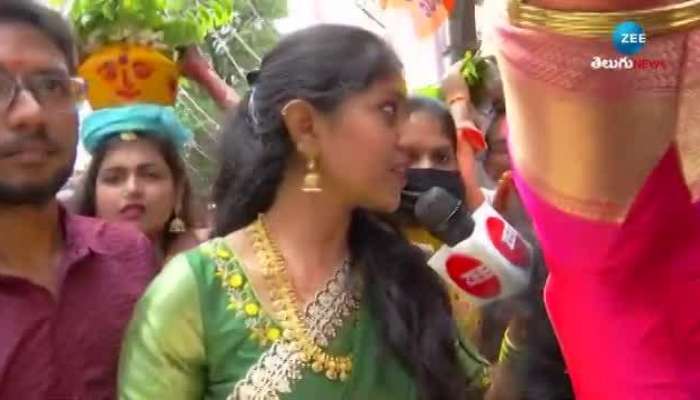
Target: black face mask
[{"x": 420, "y": 180}]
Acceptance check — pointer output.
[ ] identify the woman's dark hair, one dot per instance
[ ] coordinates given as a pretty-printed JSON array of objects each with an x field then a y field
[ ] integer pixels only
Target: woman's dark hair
[
  {"x": 540, "y": 373},
  {"x": 87, "y": 202},
  {"x": 437, "y": 110},
  {"x": 45, "y": 20},
  {"x": 323, "y": 65}
]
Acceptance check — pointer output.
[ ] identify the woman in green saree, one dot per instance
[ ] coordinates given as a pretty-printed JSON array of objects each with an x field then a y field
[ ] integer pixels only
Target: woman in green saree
[{"x": 305, "y": 294}]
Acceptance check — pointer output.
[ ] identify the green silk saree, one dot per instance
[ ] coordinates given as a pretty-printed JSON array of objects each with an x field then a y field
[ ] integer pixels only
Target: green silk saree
[{"x": 201, "y": 332}]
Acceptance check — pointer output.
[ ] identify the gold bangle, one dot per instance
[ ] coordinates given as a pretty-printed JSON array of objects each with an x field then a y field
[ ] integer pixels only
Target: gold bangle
[
  {"x": 586, "y": 24},
  {"x": 456, "y": 98},
  {"x": 509, "y": 342},
  {"x": 508, "y": 349}
]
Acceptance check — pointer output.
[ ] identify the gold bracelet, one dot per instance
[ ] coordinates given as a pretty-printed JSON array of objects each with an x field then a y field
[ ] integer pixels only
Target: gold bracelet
[
  {"x": 508, "y": 349},
  {"x": 456, "y": 98},
  {"x": 586, "y": 24}
]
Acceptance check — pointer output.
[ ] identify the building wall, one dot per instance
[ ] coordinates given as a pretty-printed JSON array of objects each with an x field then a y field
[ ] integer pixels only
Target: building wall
[{"x": 424, "y": 59}]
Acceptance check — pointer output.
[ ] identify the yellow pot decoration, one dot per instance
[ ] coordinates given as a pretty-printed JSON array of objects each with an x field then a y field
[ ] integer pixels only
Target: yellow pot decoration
[{"x": 124, "y": 74}]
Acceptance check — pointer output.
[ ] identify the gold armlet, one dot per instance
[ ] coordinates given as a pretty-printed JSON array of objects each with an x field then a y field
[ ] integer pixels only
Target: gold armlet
[{"x": 584, "y": 24}]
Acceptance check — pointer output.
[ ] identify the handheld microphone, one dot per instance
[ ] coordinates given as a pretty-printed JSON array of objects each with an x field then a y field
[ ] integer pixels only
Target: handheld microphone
[
  {"x": 483, "y": 258},
  {"x": 444, "y": 216}
]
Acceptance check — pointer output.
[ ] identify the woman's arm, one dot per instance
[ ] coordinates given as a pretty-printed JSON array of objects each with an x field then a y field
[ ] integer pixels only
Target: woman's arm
[
  {"x": 458, "y": 99},
  {"x": 597, "y": 166},
  {"x": 163, "y": 354},
  {"x": 586, "y": 139},
  {"x": 197, "y": 68},
  {"x": 475, "y": 366}
]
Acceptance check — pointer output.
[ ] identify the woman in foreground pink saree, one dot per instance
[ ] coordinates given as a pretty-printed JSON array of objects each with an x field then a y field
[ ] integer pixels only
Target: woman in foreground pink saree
[{"x": 608, "y": 164}]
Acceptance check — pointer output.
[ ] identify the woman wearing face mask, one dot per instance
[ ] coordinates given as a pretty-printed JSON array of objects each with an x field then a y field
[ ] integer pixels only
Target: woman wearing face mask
[
  {"x": 429, "y": 136},
  {"x": 305, "y": 292}
]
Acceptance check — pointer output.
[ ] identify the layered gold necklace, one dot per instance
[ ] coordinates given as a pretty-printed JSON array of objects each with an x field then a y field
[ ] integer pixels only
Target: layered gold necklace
[{"x": 288, "y": 311}]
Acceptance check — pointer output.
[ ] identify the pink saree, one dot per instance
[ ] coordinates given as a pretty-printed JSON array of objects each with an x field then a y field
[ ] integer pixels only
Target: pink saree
[{"x": 608, "y": 165}]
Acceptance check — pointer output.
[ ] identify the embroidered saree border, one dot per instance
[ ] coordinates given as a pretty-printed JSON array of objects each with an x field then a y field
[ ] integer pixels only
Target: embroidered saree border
[{"x": 279, "y": 366}]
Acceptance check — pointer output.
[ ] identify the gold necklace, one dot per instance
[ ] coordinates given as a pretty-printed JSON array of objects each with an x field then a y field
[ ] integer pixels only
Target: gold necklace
[{"x": 286, "y": 305}]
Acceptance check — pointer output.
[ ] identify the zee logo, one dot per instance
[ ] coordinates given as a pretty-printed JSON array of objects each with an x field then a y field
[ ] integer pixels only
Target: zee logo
[
  {"x": 633, "y": 38},
  {"x": 629, "y": 38}
]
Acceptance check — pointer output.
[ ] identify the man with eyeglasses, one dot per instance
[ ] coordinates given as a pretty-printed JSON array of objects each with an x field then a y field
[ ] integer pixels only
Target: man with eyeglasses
[{"x": 67, "y": 283}]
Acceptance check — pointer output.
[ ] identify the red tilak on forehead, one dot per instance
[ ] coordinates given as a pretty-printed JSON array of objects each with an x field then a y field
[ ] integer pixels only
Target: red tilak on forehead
[
  {"x": 22, "y": 62},
  {"x": 123, "y": 59},
  {"x": 13, "y": 63}
]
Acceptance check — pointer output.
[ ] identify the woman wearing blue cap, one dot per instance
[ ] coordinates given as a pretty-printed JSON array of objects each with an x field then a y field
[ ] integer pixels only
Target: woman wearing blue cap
[
  {"x": 137, "y": 174},
  {"x": 133, "y": 56}
]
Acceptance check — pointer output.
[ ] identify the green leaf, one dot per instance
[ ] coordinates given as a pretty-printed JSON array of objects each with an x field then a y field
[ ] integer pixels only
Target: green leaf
[
  {"x": 108, "y": 11},
  {"x": 183, "y": 22},
  {"x": 205, "y": 18},
  {"x": 431, "y": 91},
  {"x": 181, "y": 33},
  {"x": 219, "y": 14},
  {"x": 468, "y": 56},
  {"x": 177, "y": 5}
]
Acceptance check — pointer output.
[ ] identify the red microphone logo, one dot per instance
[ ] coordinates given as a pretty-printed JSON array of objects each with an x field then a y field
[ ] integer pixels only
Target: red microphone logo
[
  {"x": 472, "y": 276},
  {"x": 508, "y": 242}
]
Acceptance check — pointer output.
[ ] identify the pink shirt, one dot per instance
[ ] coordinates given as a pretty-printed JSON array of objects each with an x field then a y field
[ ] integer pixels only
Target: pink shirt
[{"x": 68, "y": 347}]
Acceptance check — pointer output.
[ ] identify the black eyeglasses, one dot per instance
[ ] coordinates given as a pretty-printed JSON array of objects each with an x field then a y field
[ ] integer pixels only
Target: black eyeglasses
[{"x": 53, "y": 90}]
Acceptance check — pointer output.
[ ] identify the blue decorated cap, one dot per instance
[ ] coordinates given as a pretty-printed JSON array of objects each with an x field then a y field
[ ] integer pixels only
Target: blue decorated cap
[{"x": 146, "y": 119}]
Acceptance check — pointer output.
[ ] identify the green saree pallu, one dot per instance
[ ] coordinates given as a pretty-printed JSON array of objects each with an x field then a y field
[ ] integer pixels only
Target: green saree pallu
[{"x": 201, "y": 332}]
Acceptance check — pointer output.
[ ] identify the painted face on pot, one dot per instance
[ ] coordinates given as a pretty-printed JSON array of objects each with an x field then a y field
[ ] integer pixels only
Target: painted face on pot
[{"x": 123, "y": 74}]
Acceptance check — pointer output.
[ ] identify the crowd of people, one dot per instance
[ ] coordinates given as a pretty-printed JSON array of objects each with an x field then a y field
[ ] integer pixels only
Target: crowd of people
[{"x": 307, "y": 280}]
